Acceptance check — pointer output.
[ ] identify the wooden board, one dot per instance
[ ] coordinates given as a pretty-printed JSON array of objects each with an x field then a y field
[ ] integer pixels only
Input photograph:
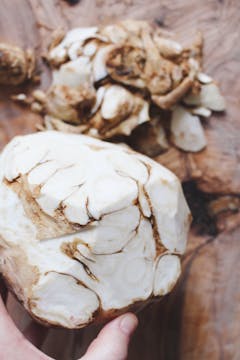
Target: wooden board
[{"x": 201, "y": 318}]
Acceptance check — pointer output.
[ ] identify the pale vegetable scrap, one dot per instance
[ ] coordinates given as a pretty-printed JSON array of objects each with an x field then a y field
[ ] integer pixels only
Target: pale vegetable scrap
[
  {"x": 187, "y": 132},
  {"x": 109, "y": 80}
]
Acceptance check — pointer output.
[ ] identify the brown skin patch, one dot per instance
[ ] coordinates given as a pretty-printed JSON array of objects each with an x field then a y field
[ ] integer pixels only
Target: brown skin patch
[
  {"x": 126, "y": 63},
  {"x": 19, "y": 275},
  {"x": 153, "y": 221},
  {"x": 160, "y": 250},
  {"x": 70, "y": 249},
  {"x": 167, "y": 101},
  {"x": 70, "y": 104},
  {"x": 47, "y": 226}
]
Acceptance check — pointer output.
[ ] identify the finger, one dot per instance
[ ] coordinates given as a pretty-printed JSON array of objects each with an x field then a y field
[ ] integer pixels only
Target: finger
[
  {"x": 13, "y": 345},
  {"x": 112, "y": 342},
  {"x": 35, "y": 333}
]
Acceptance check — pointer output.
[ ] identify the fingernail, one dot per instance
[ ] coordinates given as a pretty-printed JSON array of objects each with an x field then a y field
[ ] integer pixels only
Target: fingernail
[{"x": 128, "y": 323}]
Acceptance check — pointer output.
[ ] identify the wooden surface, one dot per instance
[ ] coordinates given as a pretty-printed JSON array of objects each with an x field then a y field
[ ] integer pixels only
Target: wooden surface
[{"x": 200, "y": 320}]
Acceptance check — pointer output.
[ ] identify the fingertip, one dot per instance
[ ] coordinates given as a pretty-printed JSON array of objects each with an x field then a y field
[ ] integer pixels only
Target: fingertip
[
  {"x": 128, "y": 323},
  {"x": 113, "y": 340}
]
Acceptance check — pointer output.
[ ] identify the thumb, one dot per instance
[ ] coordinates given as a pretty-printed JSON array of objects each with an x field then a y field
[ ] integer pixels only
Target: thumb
[{"x": 112, "y": 342}]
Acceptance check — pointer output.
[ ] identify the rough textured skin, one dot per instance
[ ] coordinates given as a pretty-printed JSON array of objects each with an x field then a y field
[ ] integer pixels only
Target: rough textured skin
[
  {"x": 166, "y": 329},
  {"x": 16, "y": 65}
]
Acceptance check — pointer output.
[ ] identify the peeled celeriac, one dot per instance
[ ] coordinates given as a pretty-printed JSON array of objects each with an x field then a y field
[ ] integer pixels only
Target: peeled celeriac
[{"x": 87, "y": 228}]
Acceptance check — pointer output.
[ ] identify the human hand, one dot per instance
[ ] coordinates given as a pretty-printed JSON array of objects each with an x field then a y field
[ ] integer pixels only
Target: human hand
[{"x": 111, "y": 343}]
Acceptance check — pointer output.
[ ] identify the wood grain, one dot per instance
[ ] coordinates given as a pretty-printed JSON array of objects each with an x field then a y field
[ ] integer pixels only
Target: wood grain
[{"x": 200, "y": 320}]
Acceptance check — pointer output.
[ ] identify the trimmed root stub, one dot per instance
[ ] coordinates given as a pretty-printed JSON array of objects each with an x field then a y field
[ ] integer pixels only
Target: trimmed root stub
[
  {"x": 107, "y": 81},
  {"x": 16, "y": 65},
  {"x": 87, "y": 228}
]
